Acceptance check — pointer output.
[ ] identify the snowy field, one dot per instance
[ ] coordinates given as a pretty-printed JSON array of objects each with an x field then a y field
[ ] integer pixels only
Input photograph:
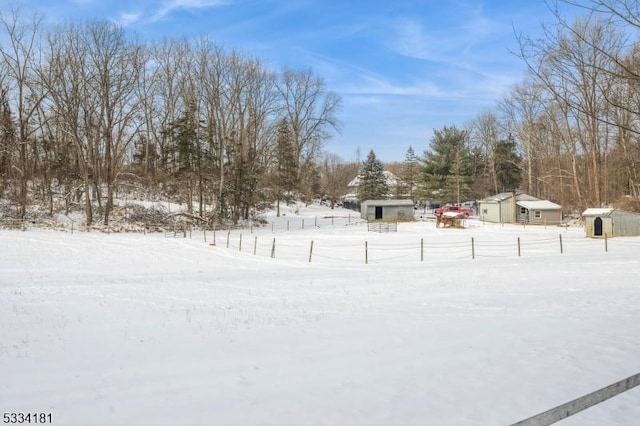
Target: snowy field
[{"x": 422, "y": 326}]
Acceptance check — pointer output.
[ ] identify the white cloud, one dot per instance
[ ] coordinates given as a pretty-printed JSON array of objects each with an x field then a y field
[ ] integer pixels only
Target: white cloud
[
  {"x": 128, "y": 18},
  {"x": 171, "y": 6}
]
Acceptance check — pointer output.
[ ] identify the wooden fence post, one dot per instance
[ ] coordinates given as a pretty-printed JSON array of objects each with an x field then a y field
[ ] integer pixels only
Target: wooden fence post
[
  {"x": 518, "y": 246},
  {"x": 421, "y": 249},
  {"x": 310, "y": 251},
  {"x": 273, "y": 249}
]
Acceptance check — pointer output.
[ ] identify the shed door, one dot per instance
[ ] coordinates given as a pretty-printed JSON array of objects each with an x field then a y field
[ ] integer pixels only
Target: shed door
[
  {"x": 597, "y": 227},
  {"x": 379, "y": 214}
]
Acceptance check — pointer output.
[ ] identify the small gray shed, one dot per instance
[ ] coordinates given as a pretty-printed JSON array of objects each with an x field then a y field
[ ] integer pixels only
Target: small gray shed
[
  {"x": 387, "y": 210},
  {"x": 611, "y": 222},
  {"x": 510, "y": 207},
  {"x": 540, "y": 212}
]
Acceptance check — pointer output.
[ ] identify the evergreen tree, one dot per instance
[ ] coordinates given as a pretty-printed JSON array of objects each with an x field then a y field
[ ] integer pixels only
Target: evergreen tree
[
  {"x": 286, "y": 177},
  {"x": 7, "y": 137},
  {"x": 410, "y": 173},
  {"x": 373, "y": 184},
  {"x": 507, "y": 164},
  {"x": 187, "y": 156},
  {"x": 446, "y": 172}
]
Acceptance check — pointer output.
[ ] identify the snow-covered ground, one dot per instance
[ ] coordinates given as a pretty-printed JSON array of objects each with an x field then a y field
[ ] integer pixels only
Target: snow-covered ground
[{"x": 139, "y": 329}]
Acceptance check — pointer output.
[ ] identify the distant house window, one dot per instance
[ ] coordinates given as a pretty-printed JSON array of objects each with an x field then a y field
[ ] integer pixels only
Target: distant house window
[
  {"x": 523, "y": 210},
  {"x": 484, "y": 211},
  {"x": 537, "y": 214}
]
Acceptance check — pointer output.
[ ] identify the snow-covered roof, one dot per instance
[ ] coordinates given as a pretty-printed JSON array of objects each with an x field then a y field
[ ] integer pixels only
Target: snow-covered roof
[
  {"x": 506, "y": 195},
  {"x": 388, "y": 203},
  {"x": 598, "y": 211},
  {"x": 539, "y": 205},
  {"x": 391, "y": 179}
]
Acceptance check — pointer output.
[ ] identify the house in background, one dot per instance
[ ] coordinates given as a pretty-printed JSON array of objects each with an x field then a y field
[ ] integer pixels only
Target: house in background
[
  {"x": 610, "y": 222},
  {"x": 387, "y": 210},
  {"x": 512, "y": 207},
  {"x": 392, "y": 183}
]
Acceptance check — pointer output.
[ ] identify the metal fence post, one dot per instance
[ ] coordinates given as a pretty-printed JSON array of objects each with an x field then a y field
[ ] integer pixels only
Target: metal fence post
[
  {"x": 561, "y": 248},
  {"x": 366, "y": 253},
  {"x": 473, "y": 248}
]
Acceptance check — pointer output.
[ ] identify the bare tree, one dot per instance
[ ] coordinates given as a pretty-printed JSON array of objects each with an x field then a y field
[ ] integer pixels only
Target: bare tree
[
  {"x": 484, "y": 134},
  {"x": 336, "y": 175},
  {"x": 73, "y": 107},
  {"x": 116, "y": 66},
  {"x": 18, "y": 67},
  {"x": 311, "y": 110}
]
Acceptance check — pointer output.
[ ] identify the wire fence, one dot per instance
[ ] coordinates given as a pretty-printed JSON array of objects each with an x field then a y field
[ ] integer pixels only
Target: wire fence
[
  {"x": 184, "y": 227},
  {"x": 350, "y": 249},
  {"x": 280, "y": 240}
]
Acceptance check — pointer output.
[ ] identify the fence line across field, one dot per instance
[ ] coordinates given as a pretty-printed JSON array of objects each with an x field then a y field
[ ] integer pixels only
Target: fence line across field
[
  {"x": 376, "y": 251},
  {"x": 341, "y": 248}
]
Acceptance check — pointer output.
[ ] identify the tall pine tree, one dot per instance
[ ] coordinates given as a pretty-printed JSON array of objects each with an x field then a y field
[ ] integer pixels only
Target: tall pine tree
[
  {"x": 409, "y": 174},
  {"x": 446, "y": 171},
  {"x": 373, "y": 184},
  {"x": 286, "y": 177}
]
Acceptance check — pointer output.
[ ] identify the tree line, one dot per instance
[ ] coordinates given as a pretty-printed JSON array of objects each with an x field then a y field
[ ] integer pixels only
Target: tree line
[
  {"x": 86, "y": 110},
  {"x": 569, "y": 132}
]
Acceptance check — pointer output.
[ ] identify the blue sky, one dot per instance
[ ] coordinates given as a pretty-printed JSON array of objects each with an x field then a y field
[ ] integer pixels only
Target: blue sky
[{"x": 402, "y": 67}]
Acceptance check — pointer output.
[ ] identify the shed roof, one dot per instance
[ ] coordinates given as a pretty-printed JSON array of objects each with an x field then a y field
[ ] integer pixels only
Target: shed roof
[
  {"x": 388, "y": 203},
  {"x": 598, "y": 211},
  {"x": 539, "y": 205},
  {"x": 503, "y": 196}
]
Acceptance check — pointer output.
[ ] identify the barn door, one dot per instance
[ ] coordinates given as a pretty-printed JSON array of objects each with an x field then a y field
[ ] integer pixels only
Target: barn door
[
  {"x": 597, "y": 227},
  {"x": 378, "y": 212}
]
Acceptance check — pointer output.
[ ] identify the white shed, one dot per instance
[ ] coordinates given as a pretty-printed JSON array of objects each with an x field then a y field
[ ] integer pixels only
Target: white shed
[{"x": 610, "y": 222}]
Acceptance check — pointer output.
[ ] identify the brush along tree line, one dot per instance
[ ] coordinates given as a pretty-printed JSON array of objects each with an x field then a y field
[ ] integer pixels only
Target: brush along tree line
[{"x": 86, "y": 110}]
